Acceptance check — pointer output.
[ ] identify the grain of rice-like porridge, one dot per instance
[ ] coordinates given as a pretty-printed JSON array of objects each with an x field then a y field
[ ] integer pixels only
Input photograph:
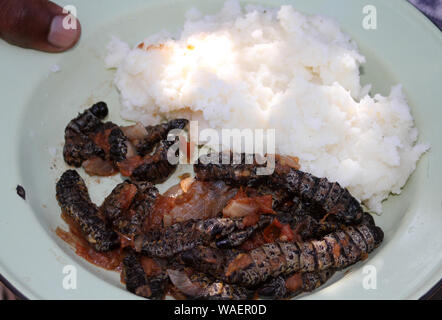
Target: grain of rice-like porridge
[{"x": 256, "y": 67}]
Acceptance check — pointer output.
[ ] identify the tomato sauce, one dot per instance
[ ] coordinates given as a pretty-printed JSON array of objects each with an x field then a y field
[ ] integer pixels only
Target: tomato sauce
[{"x": 112, "y": 260}]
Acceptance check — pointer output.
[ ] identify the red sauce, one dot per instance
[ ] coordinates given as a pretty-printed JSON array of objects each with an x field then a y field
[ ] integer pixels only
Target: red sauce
[
  {"x": 126, "y": 241},
  {"x": 294, "y": 283},
  {"x": 163, "y": 205},
  {"x": 111, "y": 260},
  {"x": 129, "y": 165},
  {"x": 276, "y": 230},
  {"x": 336, "y": 251},
  {"x": 287, "y": 233},
  {"x": 126, "y": 196},
  {"x": 272, "y": 231},
  {"x": 248, "y": 208},
  {"x": 254, "y": 242},
  {"x": 240, "y": 262},
  {"x": 188, "y": 200},
  {"x": 150, "y": 267},
  {"x": 101, "y": 139},
  {"x": 250, "y": 220},
  {"x": 99, "y": 167}
]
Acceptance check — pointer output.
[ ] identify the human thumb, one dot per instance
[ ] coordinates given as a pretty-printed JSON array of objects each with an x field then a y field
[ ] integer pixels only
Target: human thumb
[{"x": 38, "y": 24}]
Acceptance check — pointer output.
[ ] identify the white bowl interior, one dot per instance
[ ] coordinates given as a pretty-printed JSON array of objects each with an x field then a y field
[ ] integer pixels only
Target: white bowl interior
[{"x": 83, "y": 80}]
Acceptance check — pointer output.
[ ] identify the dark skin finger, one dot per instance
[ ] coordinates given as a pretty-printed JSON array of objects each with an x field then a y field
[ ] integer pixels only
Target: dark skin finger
[{"x": 38, "y": 24}]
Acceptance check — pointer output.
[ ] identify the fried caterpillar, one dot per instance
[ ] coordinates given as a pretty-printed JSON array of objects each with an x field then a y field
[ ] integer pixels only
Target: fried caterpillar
[
  {"x": 74, "y": 200},
  {"x": 103, "y": 148},
  {"x": 79, "y": 144},
  {"x": 138, "y": 282},
  {"x": 201, "y": 287},
  {"x": 165, "y": 243},
  {"x": 289, "y": 286},
  {"x": 329, "y": 195},
  {"x": 127, "y": 205},
  {"x": 334, "y": 251}
]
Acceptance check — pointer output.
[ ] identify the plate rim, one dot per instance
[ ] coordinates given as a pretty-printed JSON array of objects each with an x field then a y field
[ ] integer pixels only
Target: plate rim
[{"x": 426, "y": 285}]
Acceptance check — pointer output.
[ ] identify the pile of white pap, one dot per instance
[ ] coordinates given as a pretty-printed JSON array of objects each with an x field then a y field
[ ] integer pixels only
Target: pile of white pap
[{"x": 256, "y": 67}]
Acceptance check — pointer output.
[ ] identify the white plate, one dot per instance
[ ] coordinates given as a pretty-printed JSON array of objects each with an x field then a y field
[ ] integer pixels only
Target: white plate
[{"x": 37, "y": 105}]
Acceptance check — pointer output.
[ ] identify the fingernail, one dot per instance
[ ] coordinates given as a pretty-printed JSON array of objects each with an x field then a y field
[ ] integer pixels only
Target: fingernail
[{"x": 59, "y": 36}]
